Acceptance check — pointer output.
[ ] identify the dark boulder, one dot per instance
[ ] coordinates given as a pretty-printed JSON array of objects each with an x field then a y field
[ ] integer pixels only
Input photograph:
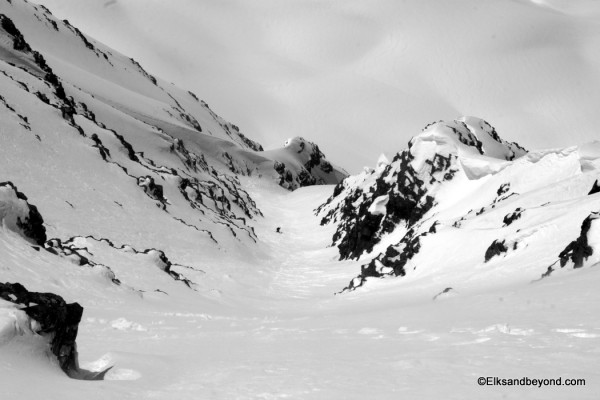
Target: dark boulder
[
  {"x": 495, "y": 249},
  {"x": 579, "y": 250},
  {"x": 512, "y": 217},
  {"x": 57, "y": 320},
  {"x": 595, "y": 188}
]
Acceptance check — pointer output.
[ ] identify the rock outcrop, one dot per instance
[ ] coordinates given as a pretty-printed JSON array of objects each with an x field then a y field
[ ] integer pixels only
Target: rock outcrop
[
  {"x": 397, "y": 195},
  {"x": 18, "y": 215},
  {"x": 56, "y": 320}
]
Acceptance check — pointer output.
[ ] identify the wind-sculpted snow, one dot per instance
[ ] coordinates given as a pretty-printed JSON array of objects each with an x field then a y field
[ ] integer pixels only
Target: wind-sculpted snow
[{"x": 460, "y": 195}]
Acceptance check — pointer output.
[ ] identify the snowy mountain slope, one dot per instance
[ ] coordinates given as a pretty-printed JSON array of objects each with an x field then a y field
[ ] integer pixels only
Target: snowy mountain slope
[
  {"x": 138, "y": 183},
  {"x": 342, "y": 73},
  {"x": 119, "y": 204},
  {"x": 123, "y": 86},
  {"x": 127, "y": 124},
  {"x": 461, "y": 205}
]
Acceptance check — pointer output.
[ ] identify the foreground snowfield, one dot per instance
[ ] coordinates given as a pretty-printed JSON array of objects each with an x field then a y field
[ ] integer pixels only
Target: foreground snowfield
[{"x": 286, "y": 335}]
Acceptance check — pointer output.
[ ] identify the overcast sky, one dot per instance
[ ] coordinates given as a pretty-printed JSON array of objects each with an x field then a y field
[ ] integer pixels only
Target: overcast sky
[{"x": 362, "y": 77}]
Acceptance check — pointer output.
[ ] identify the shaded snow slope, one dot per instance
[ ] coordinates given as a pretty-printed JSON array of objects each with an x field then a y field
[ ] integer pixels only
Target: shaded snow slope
[{"x": 461, "y": 203}]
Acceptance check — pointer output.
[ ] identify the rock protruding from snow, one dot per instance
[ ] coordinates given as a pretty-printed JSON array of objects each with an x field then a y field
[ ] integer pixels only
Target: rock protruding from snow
[
  {"x": 55, "y": 319},
  {"x": 581, "y": 249},
  {"x": 585, "y": 250},
  {"x": 17, "y": 215},
  {"x": 409, "y": 182},
  {"x": 394, "y": 198}
]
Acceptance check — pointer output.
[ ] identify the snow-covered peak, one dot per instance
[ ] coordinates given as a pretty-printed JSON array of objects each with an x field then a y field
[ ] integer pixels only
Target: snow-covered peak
[
  {"x": 382, "y": 161},
  {"x": 460, "y": 178},
  {"x": 467, "y": 136}
]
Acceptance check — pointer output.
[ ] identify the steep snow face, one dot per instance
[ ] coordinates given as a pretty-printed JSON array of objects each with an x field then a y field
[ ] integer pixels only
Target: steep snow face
[{"x": 463, "y": 197}]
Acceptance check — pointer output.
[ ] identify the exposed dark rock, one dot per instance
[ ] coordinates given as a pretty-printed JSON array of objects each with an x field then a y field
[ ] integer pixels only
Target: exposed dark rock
[
  {"x": 19, "y": 42},
  {"x": 104, "y": 152},
  {"x": 42, "y": 97},
  {"x": 358, "y": 230},
  {"x": 162, "y": 261},
  {"x": 512, "y": 217},
  {"x": 595, "y": 188},
  {"x": 433, "y": 228},
  {"x": 392, "y": 262},
  {"x": 465, "y": 136},
  {"x": 495, "y": 249},
  {"x": 166, "y": 265},
  {"x": 57, "y": 320},
  {"x": 360, "y": 237},
  {"x": 579, "y": 250},
  {"x": 248, "y": 142},
  {"x": 326, "y": 166},
  {"x": 143, "y": 71},
  {"x": 191, "y": 160},
  {"x": 305, "y": 178},
  {"x": 128, "y": 147},
  {"x": 338, "y": 189},
  {"x": 152, "y": 189},
  {"x": 67, "y": 250},
  {"x": 505, "y": 187}
]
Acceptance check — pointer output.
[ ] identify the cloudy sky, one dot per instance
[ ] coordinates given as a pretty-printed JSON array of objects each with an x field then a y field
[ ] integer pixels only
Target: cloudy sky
[{"x": 360, "y": 77}]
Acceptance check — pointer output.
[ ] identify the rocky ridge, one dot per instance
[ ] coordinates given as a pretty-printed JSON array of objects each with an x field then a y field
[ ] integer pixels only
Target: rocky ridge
[{"x": 456, "y": 176}]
